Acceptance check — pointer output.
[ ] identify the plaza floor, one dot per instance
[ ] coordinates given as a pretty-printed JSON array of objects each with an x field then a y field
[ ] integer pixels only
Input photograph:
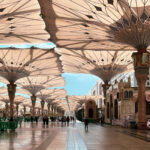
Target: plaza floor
[{"x": 74, "y": 137}]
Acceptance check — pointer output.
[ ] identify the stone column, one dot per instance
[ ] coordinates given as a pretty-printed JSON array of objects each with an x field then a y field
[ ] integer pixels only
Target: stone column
[
  {"x": 42, "y": 107},
  {"x": 33, "y": 100},
  {"x": 24, "y": 108},
  {"x": 56, "y": 112},
  {"x": 31, "y": 110},
  {"x": 11, "y": 93},
  {"x": 6, "y": 109},
  {"x": 141, "y": 66},
  {"x": 39, "y": 112},
  {"x": 105, "y": 88},
  {"x": 48, "y": 106},
  {"x": 17, "y": 108},
  {"x": 52, "y": 108}
]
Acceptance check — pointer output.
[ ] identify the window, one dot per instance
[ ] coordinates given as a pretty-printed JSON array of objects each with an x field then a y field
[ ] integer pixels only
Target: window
[
  {"x": 126, "y": 95},
  {"x": 94, "y": 93},
  {"x": 136, "y": 107},
  {"x": 116, "y": 109},
  {"x": 111, "y": 101},
  {"x": 100, "y": 89},
  {"x": 148, "y": 83},
  {"x": 107, "y": 109},
  {"x": 118, "y": 95},
  {"x": 147, "y": 108},
  {"x": 130, "y": 94}
]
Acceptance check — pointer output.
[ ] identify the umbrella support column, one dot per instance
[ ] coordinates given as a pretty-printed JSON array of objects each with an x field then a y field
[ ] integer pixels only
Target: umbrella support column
[
  {"x": 33, "y": 100},
  {"x": 141, "y": 66},
  {"x": 11, "y": 92}
]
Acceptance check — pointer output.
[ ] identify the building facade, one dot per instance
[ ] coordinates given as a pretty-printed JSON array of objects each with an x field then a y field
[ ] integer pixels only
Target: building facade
[
  {"x": 121, "y": 99},
  {"x": 97, "y": 90}
]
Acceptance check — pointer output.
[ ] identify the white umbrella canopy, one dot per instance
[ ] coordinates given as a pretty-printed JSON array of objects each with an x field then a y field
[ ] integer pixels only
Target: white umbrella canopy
[
  {"x": 75, "y": 102},
  {"x": 103, "y": 64},
  {"x": 50, "y": 94},
  {"x": 21, "y": 22},
  {"x": 19, "y": 63},
  {"x": 3, "y": 90},
  {"x": 27, "y": 101},
  {"x": 32, "y": 85},
  {"x": 18, "y": 99},
  {"x": 96, "y": 24}
]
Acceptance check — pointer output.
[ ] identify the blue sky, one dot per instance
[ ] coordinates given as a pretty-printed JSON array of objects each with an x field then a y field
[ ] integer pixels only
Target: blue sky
[
  {"x": 76, "y": 84},
  {"x": 79, "y": 84}
]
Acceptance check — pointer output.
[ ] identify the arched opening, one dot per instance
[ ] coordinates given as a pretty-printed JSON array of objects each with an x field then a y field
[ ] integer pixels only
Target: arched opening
[
  {"x": 91, "y": 110},
  {"x": 118, "y": 95},
  {"x": 126, "y": 95},
  {"x": 107, "y": 109},
  {"x": 147, "y": 108},
  {"x": 90, "y": 113},
  {"x": 130, "y": 94},
  {"x": 116, "y": 110}
]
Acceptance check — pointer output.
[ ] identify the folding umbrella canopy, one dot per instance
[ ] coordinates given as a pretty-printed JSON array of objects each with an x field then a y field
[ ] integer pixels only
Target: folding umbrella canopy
[
  {"x": 33, "y": 85},
  {"x": 18, "y": 100},
  {"x": 104, "y": 64},
  {"x": 44, "y": 96},
  {"x": 97, "y": 24},
  {"x": 75, "y": 102},
  {"x": 21, "y": 22},
  {"x": 18, "y": 63}
]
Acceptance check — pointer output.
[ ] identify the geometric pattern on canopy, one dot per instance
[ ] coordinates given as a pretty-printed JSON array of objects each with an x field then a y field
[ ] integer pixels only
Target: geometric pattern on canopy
[
  {"x": 104, "y": 64},
  {"x": 49, "y": 95},
  {"x": 19, "y": 63},
  {"x": 20, "y": 22},
  {"x": 56, "y": 96},
  {"x": 76, "y": 102},
  {"x": 18, "y": 99},
  {"x": 98, "y": 24},
  {"x": 34, "y": 84}
]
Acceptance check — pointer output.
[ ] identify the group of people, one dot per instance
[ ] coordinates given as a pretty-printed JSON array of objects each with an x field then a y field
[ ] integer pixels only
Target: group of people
[
  {"x": 63, "y": 120},
  {"x": 67, "y": 119}
]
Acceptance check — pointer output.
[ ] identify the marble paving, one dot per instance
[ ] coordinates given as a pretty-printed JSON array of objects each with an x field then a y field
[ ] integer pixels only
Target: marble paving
[{"x": 73, "y": 137}]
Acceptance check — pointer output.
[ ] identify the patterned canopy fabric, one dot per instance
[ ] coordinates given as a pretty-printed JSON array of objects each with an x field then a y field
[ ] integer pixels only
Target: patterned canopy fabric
[
  {"x": 98, "y": 24},
  {"x": 21, "y": 23},
  {"x": 19, "y": 63},
  {"x": 104, "y": 64},
  {"x": 33, "y": 85}
]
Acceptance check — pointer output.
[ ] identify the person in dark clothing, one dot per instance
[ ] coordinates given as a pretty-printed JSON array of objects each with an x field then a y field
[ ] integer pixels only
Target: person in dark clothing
[
  {"x": 86, "y": 122},
  {"x": 102, "y": 120},
  {"x": 47, "y": 121},
  {"x": 36, "y": 119},
  {"x": 31, "y": 119},
  {"x": 68, "y": 119}
]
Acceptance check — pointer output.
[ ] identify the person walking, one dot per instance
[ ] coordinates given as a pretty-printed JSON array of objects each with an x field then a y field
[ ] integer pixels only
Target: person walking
[
  {"x": 68, "y": 119},
  {"x": 86, "y": 122}
]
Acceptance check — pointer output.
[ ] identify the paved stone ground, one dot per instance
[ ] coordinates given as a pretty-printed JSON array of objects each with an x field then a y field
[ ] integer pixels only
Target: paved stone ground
[{"x": 74, "y": 137}]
